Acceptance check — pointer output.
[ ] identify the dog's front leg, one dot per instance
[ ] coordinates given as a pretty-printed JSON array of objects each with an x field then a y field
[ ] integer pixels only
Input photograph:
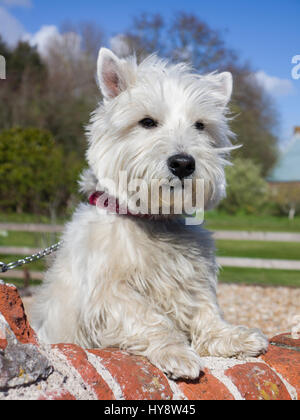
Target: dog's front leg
[
  {"x": 141, "y": 329},
  {"x": 211, "y": 335}
]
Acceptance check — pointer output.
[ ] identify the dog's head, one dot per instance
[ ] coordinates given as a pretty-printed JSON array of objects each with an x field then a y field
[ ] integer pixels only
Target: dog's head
[{"x": 159, "y": 122}]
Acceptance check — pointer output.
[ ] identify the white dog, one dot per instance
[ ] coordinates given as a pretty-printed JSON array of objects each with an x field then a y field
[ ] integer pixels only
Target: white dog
[{"x": 147, "y": 284}]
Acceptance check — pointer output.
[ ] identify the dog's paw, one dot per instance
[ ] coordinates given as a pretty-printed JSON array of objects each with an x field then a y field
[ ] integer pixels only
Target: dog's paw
[
  {"x": 178, "y": 362},
  {"x": 252, "y": 343},
  {"x": 234, "y": 341}
]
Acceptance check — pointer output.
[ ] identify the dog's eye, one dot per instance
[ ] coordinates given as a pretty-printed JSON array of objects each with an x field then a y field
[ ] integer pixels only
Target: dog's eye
[
  {"x": 148, "y": 123},
  {"x": 199, "y": 126}
]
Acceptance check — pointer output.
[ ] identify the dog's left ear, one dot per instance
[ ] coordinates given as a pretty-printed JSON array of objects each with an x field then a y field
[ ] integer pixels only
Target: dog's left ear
[
  {"x": 109, "y": 71},
  {"x": 224, "y": 83}
]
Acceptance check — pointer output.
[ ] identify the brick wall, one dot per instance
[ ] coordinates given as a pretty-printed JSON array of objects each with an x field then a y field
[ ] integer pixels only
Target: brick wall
[{"x": 32, "y": 370}]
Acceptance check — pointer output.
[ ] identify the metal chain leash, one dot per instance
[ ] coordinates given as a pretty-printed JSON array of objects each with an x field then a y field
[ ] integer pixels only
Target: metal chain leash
[{"x": 27, "y": 260}]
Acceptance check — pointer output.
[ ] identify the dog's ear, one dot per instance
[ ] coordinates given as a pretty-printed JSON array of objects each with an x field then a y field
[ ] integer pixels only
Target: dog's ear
[
  {"x": 224, "y": 82},
  {"x": 109, "y": 71}
]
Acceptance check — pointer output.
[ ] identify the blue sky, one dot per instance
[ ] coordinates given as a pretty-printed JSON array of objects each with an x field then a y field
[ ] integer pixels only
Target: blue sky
[{"x": 265, "y": 32}]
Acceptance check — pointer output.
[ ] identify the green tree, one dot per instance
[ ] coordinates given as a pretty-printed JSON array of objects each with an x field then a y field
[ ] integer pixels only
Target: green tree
[
  {"x": 35, "y": 175},
  {"x": 21, "y": 94},
  {"x": 247, "y": 191},
  {"x": 25, "y": 62},
  {"x": 72, "y": 93},
  {"x": 4, "y": 50},
  {"x": 255, "y": 121},
  {"x": 56, "y": 92}
]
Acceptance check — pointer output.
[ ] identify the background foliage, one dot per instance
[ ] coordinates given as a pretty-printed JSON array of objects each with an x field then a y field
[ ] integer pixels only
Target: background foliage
[
  {"x": 35, "y": 174},
  {"x": 246, "y": 189},
  {"x": 46, "y": 101}
]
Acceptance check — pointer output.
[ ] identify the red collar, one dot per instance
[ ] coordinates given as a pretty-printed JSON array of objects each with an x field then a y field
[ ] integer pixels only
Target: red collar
[{"x": 112, "y": 205}]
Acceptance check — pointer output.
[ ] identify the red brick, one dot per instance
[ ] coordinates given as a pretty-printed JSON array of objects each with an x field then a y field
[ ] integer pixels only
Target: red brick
[
  {"x": 138, "y": 378},
  {"x": 3, "y": 341},
  {"x": 3, "y": 344},
  {"x": 11, "y": 307},
  {"x": 58, "y": 396},
  {"x": 207, "y": 387},
  {"x": 256, "y": 381},
  {"x": 286, "y": 340},
  {"x": 78, "y": 359},
  {"x": 286, "y": 362}
]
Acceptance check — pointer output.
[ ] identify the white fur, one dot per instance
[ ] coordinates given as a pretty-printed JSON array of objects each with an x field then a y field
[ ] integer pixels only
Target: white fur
[{"x": 146, "y": 285}]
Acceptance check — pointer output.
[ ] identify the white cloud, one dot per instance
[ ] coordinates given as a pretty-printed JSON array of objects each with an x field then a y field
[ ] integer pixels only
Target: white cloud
[
  {"x": 119, "y": 45},
  {"x": 49, "y": 36},
  {"x": 21, "y": 3},
  {"x": 10, "y": 28},
  {"x": 274, "y": 85},
  {"x": 42, "y": 38},
  {"x": 12, "y": 31}
]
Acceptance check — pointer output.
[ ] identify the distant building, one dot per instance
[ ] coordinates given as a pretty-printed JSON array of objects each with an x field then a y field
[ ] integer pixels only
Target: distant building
[
  {"x": 285, "y": 176},
  {"x": 287, "y": 168}
]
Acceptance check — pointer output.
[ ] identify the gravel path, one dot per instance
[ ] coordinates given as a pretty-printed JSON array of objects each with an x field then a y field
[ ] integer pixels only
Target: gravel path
[{"x": 273, "y": 309}]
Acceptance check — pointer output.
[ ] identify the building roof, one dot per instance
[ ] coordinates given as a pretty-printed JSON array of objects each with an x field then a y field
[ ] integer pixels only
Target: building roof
[{"x": 287, "y": 168}]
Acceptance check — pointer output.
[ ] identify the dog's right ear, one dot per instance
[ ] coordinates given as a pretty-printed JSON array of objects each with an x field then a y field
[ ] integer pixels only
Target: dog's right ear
[{"x": 109, "y": 71}]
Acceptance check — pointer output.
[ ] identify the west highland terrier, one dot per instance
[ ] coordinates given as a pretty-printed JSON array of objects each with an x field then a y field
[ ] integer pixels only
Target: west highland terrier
[{"x": 146, "y": 281}]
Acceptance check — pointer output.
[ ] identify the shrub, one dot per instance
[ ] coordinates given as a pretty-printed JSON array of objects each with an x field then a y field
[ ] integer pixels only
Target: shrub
[
  {"x": 247, "y": 191},
  {"x": 35, "y": 175}
]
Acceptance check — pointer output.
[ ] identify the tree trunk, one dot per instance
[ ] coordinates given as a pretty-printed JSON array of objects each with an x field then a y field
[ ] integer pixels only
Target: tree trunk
[{"x": 292, "y": 213}]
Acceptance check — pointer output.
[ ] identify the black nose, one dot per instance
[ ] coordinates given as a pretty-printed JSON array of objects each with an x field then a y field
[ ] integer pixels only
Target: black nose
[{"x": 182, "y": 165}]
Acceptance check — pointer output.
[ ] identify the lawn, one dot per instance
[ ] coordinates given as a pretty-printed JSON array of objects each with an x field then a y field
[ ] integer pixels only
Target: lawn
[
  {"x": 258, "y": 249},
  {"x": 236, "y": 275},
  {"x": 254, "y": 276},
  {"x": 225, "y": 248},
  {"x": 216, "y": 220},
  {"x": 34, "y": 266},
  {"x": 27, "y": 218},
  {"x": 28, "y": 239},
  {"x": 20, "y": 283}
]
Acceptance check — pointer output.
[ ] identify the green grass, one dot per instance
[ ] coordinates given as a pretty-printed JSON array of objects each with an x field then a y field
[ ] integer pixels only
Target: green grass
[
  {"x": 216, "y": 220},
  {"x": 34, "y": 266},
  {"x": 258, "y": 249},
  {"x": 234, "y": 275},
  {"x": 27, "y": 218},
  {"x": 20, "y": 283},
  {"x": 29, "y": 239},
  {"x": 254, "y": 276}
]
